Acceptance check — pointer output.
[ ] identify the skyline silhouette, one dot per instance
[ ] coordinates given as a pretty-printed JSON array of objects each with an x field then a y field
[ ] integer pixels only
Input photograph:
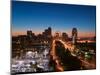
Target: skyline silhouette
[{"x": 37, "y": 16}]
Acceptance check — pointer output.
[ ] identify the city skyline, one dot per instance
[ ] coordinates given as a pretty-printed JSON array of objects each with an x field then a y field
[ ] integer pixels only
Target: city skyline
[
  {"x": 63, "y": 17},
  {"x": 69, "y": 34}
]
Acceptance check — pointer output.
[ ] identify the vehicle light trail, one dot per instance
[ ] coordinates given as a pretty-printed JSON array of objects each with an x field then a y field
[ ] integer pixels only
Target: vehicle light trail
[{"x": 58, "y": 65}]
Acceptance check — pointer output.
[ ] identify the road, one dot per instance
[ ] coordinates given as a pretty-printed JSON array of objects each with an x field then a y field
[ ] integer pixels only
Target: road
[
  {"x": 55, "y": 58},
  {"x": 85, "y": 63}
]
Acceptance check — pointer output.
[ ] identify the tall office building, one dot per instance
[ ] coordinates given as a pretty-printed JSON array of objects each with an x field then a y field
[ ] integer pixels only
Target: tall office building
[
  {"x": 47, "y": 35},
  {"x": 57, "y": 35},
  {"x": 74, "y": 35},
  {"x": 64, "y": 36},
  {"x": 29, "y": 33},
  {"x": 48, "y": 32}
]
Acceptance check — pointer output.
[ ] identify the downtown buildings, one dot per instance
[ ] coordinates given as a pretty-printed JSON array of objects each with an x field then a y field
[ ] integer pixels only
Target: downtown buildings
[
  {"x": 29, "y": 42},
  {"x": 36, "y": 49},
  {"x": 24, "y": 43}
]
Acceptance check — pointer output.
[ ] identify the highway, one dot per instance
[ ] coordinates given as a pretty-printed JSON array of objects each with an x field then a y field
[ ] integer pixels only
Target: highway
[
  {"x": 55, "y": 58},
  {"x": 59, "y": 67}
]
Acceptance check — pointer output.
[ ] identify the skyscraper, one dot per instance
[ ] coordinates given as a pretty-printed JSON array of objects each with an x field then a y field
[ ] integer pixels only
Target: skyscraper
[
  {"x": 64, "y": 36},
  {"x": 49, "y": 31},
  {"x": 29, "y": 33},
  {"x": 57, "y": 35},
  {"x": 74, "y": 35}
]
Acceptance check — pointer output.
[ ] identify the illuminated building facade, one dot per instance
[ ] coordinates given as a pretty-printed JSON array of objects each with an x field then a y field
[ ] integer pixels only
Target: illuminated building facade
[
  {"x": 29, "y": 33},
  {"x": 74, "y": 35},
  {"x": 64, "y": 36}
]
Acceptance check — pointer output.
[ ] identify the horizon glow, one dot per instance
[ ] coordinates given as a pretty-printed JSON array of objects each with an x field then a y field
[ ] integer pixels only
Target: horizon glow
[{"x": 37, "y": 16}]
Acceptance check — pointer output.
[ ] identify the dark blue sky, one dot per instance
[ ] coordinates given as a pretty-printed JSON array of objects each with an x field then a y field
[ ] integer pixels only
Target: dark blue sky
[{"x": 63, "y": 17}]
